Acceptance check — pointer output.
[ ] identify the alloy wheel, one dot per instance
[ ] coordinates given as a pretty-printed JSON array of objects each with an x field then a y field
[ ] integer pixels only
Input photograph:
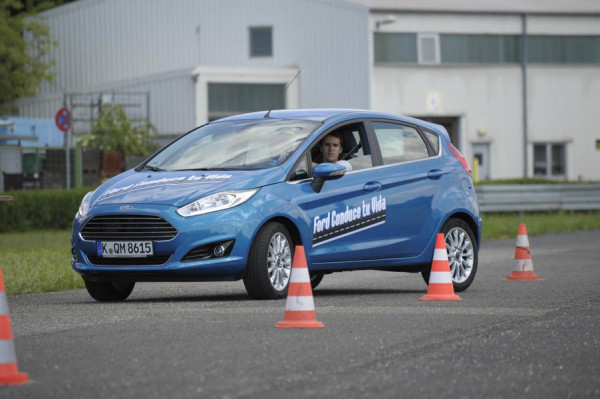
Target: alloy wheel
[
  {"x": 279, "y": 258},
  {"x": 460, "y": 254}
]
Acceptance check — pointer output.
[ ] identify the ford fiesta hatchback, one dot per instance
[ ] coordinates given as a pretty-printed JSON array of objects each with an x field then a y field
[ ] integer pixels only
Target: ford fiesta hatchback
[{"x": 231, "y": 199}]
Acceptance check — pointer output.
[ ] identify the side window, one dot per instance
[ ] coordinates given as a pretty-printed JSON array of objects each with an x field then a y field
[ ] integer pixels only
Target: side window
[
  {"x": 354, "y": 154},
  {"x": 399, "y": 143},
  {"x": 300, "y": 171},
  {"x": 433, "y": 140}
]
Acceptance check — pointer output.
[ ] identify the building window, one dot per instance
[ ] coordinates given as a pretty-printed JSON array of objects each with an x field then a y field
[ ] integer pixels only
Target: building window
[
  {"x": 564, "y": 49},
  {"x": 226, "y": 99},
  {"x": 480, "y": 48},
  {"x": 486, "y": 49},
  {"x": 261, "y": 41},
  {"x": 549, "y": 160},
  {"x": 396, "y": 47}
]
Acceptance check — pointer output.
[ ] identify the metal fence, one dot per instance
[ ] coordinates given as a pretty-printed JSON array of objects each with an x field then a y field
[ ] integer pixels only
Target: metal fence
[
  {"x": 538, "y": 197},
  {"x": 45, "y": 168}
]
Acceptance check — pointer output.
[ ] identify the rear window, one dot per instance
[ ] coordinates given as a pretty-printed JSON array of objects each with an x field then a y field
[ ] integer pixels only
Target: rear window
[
  {"x": 399, "y": 143},
  {"x": 433, "y": 140}
]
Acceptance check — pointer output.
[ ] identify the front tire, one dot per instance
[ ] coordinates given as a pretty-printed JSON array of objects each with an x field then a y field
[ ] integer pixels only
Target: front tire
[
  {"x": 109, "y": 291},
  {"x": 462, "y": 254},
  {"x": 269, "y": 267}
]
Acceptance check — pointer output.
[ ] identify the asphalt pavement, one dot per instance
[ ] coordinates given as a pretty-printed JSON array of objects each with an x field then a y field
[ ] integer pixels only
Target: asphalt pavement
[{"x": 530, "y": 339}]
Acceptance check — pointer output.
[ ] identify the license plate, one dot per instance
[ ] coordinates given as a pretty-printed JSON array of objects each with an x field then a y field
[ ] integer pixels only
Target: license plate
[{"x": 124, "y": 249}]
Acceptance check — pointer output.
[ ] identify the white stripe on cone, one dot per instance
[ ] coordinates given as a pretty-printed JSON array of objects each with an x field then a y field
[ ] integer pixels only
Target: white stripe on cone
[
  {"x": 440, "y": 254},
  {"x": 3, "y": 304},
  {"x": 523, "y": 265},
  {"x": 299, "y": 303},
  {"x": 7, "y": 352},
  {"x": 522, "y": 241},
  {"x": 440, "y": 278},
  {"x": 300, "y": 275}
]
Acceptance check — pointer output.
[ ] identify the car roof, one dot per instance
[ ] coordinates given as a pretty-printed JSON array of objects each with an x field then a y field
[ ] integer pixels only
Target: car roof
[
  {"x": 333, "y": 115},
  {"x": 314, "y": 115}
]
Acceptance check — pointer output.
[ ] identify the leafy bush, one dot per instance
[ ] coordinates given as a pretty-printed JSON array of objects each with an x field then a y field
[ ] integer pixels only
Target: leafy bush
[
  {"x": 40, "y": 209},
  {"x": 114, "y": 131}
]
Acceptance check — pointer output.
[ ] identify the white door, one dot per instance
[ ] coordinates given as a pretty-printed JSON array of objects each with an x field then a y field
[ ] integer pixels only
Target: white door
[{"x": 481, "y": 152}]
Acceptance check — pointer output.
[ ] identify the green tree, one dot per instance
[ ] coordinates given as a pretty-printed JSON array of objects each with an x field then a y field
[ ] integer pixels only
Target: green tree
[
  {"x": 113, "y": 131},
  {"x": 25, "y": 45}
]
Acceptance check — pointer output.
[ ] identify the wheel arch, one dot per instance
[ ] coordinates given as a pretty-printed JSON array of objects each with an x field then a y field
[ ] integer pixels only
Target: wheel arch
[
  {"x": 468, "y": 219},
  {"x": 258, "y": 280},
  {"x": 290, "y": 226}
]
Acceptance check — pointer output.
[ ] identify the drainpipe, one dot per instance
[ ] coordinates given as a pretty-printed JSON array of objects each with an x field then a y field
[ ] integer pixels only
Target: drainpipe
[{"x": 525, "y": 51}]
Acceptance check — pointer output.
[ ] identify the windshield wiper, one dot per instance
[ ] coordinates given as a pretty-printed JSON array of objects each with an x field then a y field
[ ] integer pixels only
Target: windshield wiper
[{"x": 152, "y": 168}]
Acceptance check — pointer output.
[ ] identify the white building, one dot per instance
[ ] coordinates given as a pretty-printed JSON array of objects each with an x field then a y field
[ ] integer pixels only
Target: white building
[
  {"x": 516, "y": 82},
  {"x": 461, "y": 63},
  {"x": 204, "y": 59}
]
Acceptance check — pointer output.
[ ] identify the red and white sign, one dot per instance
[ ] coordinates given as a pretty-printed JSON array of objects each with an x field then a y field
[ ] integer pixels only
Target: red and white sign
[{"x": 63, "y": 120}]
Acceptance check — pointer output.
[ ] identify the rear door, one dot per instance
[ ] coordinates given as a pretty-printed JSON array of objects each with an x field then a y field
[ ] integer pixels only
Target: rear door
[{"x": 410, "y": 179}]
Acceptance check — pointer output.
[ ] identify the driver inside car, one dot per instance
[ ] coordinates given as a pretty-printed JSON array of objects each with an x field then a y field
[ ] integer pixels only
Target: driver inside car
[{"x": 331, "y": 149}]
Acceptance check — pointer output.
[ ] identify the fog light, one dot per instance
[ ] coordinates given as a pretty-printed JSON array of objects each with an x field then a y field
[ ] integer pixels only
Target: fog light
[{"x": 219, "y": 250}]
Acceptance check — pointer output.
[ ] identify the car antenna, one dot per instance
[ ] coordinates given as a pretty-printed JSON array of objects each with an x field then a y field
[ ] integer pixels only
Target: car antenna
[{"x": 284, "y": 91}]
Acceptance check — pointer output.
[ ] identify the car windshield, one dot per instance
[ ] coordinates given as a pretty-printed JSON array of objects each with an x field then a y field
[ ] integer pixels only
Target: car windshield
[{"x": 234, "y": 145}]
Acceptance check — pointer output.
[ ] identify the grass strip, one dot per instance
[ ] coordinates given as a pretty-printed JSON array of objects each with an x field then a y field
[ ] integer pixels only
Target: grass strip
[
  {"x": 505, "y": 225},
  {"x": 37, "y": 261},
  {"x": 40, "y": 261}
]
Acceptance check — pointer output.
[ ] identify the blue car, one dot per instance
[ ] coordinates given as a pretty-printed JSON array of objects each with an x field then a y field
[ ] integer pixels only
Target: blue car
[{"x": 231, "y": 199}]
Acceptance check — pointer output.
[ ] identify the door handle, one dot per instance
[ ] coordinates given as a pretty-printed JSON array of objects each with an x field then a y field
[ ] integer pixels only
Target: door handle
[
  {"x": 435, "y": 173},
  {"x": 372, "y": 186}
]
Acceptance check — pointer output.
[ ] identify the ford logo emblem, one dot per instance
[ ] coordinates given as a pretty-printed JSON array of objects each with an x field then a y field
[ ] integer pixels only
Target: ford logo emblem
[{"x": 126, "y": 208}]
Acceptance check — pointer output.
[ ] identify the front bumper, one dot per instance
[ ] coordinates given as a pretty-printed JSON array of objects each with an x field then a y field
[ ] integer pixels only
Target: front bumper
[{"x": 236, "y": 226}]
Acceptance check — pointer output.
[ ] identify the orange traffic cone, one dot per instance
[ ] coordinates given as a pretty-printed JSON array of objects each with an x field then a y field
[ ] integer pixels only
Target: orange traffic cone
[
  {"x": 299, "y": 305},
  {"x": 9, "y": 374},
  {"x": 523, "y": 265},
  {"x": 440, "y": 279}
]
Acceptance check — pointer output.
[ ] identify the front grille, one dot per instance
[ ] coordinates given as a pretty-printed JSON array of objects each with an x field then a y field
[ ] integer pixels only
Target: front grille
[
  {"x": 154, "y": 260},
  {"x": 128, "y": 228}
]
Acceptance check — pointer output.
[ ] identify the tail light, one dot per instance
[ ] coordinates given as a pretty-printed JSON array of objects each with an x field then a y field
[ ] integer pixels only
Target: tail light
[{"x": 459, "y": 157}]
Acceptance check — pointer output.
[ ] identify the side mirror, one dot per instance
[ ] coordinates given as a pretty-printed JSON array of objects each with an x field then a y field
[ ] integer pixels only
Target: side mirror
[{"x": 326, "y": 171}]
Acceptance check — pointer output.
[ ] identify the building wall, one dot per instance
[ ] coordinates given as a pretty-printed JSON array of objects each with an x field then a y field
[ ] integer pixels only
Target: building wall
[
  {"x": 564, "y": 105},
  {"x": 171, "y": 99},
  {"x": 481, "y": 99},
  {"x": 112, "y": 44},
  {"x": 487, "y": 98}
]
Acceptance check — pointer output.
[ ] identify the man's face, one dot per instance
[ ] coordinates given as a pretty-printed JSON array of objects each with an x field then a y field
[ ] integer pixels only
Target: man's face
[{"x": 331, "y": 149}]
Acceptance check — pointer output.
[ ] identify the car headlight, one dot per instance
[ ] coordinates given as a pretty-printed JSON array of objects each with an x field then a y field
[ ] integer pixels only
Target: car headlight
[
  {"x": 85, "y": 204},
  {"x": 216, "y": 202}
]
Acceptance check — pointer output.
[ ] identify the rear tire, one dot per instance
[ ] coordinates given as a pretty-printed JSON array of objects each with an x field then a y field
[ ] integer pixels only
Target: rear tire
[
  {"x": 109, "y": 291},
  {"x": 269, "y": 267},
  {"x": 462, "y": 254}
]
